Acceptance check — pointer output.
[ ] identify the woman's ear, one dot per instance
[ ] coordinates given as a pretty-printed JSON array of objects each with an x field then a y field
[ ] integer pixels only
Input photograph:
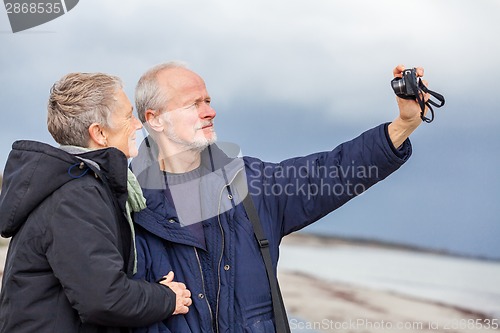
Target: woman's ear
[
  {"x": 154, "y": 121},
  {"x": 97, "y": 136}
]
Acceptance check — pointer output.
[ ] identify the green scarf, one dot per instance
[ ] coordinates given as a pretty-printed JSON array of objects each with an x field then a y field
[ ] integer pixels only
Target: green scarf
[{"x": 135, "y": 203}]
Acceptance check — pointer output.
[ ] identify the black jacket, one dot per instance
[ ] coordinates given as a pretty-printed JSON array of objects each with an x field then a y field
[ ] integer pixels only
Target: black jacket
[{"x": 69, "y": 262}]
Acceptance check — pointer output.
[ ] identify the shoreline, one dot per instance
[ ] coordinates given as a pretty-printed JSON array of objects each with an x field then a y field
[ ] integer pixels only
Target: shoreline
[{"x": 313, "y": 239}]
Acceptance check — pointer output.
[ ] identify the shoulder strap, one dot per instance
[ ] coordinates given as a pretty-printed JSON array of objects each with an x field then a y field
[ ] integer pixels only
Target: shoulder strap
[{"x": 280, "y": 317}]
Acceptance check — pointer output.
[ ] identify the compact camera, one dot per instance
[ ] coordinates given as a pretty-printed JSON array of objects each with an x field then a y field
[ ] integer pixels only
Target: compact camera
[{"x": 407, "y": 85}]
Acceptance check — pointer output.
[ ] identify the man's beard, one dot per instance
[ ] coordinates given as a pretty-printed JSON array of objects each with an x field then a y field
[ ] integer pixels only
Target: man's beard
[{"x": 197, "y": 144}]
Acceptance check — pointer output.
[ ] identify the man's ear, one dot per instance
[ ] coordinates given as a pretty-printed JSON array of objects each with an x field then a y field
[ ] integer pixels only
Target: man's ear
[
  {"x": 154, "y": 121},
  {"x": 97, "y": 136}
]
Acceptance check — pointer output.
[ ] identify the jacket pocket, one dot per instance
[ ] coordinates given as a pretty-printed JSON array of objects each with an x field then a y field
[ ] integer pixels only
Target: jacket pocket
[
  {"x": 266, "y": 326},
  {"x": 259, "y": 318}
]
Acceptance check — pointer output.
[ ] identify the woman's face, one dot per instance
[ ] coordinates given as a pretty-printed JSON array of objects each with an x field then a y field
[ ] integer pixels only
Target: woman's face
[{"x": 123, "y": 125}]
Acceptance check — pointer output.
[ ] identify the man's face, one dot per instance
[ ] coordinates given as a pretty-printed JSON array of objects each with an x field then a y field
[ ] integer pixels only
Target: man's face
[
  {"x": 123, "y": 125},
  {"x": 189, "y": 116}
]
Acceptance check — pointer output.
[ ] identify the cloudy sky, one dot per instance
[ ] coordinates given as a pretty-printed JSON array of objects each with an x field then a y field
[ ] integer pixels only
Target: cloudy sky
[{"x": 290, "y": 77}]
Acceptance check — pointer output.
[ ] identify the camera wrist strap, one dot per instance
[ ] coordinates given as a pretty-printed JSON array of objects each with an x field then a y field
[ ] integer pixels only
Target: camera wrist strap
[{"x": 429, "y": 102}]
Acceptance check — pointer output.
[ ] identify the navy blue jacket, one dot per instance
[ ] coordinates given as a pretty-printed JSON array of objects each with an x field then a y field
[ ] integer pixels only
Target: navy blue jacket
[{"x": 226, "y": 273}]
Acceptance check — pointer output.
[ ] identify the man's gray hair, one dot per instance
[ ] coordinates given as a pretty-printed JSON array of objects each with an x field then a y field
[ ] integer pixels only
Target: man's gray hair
[
  {"x": 77, "y": 101},
  {"x": 148, "y": 95}
]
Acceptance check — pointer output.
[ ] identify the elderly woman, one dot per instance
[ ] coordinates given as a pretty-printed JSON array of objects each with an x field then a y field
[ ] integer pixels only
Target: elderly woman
[{"x": 67, "y": 209}]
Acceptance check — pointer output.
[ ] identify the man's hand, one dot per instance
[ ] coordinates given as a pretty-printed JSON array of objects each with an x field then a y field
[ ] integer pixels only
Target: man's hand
[
  {"x": 409, "y": 113},
  {"x": 182, "y": 294}
]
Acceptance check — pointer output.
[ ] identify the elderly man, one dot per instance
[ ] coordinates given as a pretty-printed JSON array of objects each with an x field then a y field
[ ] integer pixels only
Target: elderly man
[
  {"x": 67, "y": 210},
  {"x": 197, "y": 221}
]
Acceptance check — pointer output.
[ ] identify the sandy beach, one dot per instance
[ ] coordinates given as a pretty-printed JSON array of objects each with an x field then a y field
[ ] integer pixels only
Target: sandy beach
[{"x": 320, "y": 305}]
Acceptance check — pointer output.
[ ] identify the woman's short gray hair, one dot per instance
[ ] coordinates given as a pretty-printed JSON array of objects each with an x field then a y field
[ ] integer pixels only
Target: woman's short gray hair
[
  {"x": 77, "y": 101},
  {"x": 147, "y": 92}
]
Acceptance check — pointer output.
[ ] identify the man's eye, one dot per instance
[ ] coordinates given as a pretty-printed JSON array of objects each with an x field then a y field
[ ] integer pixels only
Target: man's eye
[{"x": 189, "y": 107}]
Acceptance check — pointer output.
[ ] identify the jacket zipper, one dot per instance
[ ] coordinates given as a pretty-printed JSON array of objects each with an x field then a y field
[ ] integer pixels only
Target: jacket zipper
[
  {"x": 218, "y": 272},
  {"x": 203, "y": 288},
  {"x": 222, "y": 250}
]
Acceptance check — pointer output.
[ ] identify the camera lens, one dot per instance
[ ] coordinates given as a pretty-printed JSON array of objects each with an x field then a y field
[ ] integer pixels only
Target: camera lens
[{"x": 398, "y": 86}]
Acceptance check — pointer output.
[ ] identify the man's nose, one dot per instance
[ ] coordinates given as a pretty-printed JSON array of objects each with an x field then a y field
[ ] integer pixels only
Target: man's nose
[{"x": 207, "y": 112}]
